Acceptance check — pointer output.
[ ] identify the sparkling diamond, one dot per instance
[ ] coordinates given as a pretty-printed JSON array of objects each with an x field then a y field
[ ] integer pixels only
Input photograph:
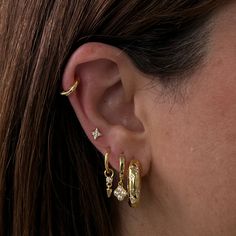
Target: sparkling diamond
[
  {"x": 96, "y": 133},
  {"x": 120, "y": 193},
  {"x": 109, "y": 180}
]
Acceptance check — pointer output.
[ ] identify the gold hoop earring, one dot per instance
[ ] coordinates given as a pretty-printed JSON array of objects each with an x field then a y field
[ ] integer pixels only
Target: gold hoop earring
[
  {"x": 134, "y": 183},
  {"x": 120, "y": 192},
  {"x": 71, "y": 89},
  {"x": 109, "y": 173}
]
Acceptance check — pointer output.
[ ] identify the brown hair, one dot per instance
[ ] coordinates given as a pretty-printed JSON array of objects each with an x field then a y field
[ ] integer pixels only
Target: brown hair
[{"x": 51, "y": 177}]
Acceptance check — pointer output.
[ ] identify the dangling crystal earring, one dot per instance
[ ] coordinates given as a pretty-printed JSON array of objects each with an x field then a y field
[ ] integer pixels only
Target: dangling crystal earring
[
  {"x": 120, "y": 192},
  {"x": 109, "y": 173}
]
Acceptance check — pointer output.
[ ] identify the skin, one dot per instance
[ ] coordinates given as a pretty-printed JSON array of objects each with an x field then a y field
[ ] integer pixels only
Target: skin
[{"x": 185, "y": 142}]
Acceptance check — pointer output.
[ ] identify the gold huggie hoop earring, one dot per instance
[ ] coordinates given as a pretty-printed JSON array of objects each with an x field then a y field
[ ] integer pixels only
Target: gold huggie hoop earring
[
  {"x": 134, "y": 183},
  {"x": 109, "y": 173},
  {"x": 71, "y": 90},
  {"x": 120, "y": 192}
]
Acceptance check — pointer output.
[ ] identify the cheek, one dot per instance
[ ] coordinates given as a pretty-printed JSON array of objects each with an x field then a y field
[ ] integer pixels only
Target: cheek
[
  {"x": 194, "y": 150},
  {"x": 193, "y": 143}
]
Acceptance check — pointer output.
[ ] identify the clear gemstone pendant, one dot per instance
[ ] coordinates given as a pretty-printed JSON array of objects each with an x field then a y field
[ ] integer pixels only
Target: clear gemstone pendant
[{"x": 120, "y": 193}]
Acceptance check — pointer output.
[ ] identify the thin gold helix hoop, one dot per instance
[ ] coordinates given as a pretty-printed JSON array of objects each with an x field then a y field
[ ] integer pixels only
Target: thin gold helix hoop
[{"x": 71, "y": 89}]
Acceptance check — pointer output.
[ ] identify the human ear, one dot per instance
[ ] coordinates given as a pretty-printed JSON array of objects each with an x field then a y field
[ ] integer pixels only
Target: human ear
[{"x": 105, "y": 99}]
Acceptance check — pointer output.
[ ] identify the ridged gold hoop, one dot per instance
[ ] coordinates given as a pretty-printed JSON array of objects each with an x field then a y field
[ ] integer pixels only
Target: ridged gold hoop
[
  {"x": 71, "y": 90},
  {"x": 134, "y": 183}
]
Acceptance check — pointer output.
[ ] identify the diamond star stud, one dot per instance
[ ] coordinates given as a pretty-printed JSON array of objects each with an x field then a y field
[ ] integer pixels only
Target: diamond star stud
[{"x": 96, "y": 134}]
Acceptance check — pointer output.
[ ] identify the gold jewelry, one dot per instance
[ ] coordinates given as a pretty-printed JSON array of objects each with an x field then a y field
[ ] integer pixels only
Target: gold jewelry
[
  {"x": 134, "y": 183},
  {"x": 70, "y": 90},
  {"x": 96, "y": 134},
  {"x": 120, "y": 192},
  {"x": 109, "y": 173}
]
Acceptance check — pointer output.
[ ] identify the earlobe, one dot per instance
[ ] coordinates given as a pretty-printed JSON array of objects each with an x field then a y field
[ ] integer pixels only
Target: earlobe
[{"x": 104, "y": 100}]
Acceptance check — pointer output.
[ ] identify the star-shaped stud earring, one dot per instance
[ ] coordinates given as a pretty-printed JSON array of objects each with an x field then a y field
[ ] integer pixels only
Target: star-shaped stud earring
[{"x": 96, "y": 134}]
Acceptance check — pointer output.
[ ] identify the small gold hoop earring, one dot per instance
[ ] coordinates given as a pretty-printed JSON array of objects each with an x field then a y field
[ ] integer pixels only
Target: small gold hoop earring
[
  {"x": 70, "y": 90},
  {"x": 134, "y": 183},
  {"x": 120, "y": 192},
  {"x": 109, "y": 173}
]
